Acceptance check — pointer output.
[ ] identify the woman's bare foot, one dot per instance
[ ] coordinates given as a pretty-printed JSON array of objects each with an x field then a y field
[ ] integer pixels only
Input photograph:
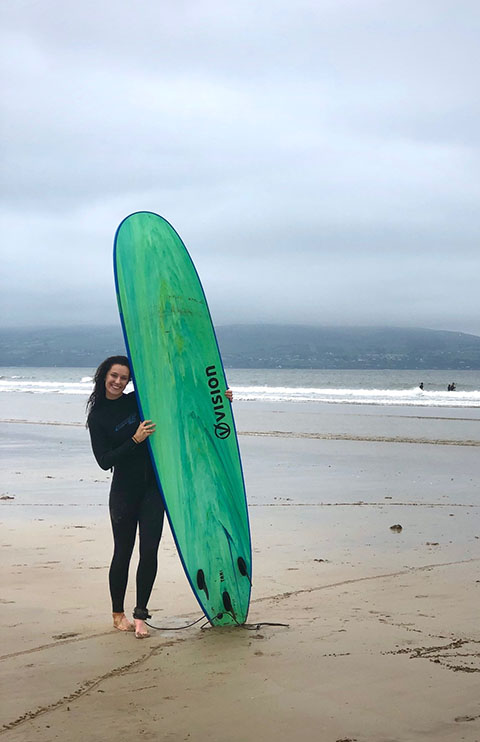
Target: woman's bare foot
[
  {"x": 141, "y": 631},
  {"x": 121, "y": 622}
]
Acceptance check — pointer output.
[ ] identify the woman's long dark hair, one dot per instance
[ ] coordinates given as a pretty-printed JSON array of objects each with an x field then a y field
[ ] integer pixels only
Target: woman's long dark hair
[{"x": 98, "y": 394}]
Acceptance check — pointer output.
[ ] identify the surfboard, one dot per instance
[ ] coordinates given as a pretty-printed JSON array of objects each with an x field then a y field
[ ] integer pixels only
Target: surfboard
[{"x": 180, "y": 384}]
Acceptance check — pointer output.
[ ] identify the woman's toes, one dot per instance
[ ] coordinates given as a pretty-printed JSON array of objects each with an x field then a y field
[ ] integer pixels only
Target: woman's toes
[
  {"x": 141, "y": 631},
  {"x": 122, "y": 623}
]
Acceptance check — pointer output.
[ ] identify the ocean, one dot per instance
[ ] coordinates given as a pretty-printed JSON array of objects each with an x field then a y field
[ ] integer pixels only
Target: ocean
[{"x": 346, "y": 387}]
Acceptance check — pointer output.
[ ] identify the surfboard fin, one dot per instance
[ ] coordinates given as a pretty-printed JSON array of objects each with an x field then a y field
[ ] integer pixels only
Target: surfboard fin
[
  {"x": 242, "y": 567},
  {"x": 202, "y": 585},
  {"x": 227, "y": 603}
]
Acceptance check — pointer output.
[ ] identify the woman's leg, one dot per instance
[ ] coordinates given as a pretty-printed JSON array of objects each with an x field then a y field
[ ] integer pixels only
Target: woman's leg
[
  {"x": 123, "y": 516},
  {"x": 150, "y": 523}
]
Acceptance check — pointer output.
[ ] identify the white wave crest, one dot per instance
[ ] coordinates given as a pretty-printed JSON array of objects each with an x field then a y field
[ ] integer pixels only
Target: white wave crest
[{"x": 411, "y": 397}]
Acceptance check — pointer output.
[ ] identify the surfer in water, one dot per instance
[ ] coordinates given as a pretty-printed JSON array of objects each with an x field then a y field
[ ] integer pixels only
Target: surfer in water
[{"x": 118, "y": 441}]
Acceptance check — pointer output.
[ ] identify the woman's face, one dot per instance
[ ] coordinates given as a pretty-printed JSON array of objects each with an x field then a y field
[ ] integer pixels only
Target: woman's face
[{"x": 116, "y": 380}]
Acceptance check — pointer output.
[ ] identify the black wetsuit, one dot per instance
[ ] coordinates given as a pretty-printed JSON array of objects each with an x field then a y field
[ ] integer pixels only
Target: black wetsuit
[{"x": 134, "y": 495}]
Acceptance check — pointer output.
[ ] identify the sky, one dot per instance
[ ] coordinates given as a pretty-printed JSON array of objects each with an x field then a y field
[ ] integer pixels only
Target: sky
[{"x": 319, "y": 158}]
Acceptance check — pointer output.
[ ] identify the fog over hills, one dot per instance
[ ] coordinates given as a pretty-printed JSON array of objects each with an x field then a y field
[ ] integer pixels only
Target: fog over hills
[
  {"x": 261, "y": 346},
  {"x": 347, "y": 347}
]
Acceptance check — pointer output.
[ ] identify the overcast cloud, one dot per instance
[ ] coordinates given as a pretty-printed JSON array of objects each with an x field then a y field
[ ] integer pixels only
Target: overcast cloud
[{"x": 320, "y": 159}]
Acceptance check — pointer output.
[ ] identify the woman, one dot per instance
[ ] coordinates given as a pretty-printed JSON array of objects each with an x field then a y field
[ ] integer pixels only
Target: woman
[{"x": 118, "y": 441}]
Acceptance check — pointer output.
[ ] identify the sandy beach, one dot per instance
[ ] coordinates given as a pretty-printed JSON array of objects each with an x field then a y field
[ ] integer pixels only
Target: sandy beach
[{"x": 383, "y": 637}]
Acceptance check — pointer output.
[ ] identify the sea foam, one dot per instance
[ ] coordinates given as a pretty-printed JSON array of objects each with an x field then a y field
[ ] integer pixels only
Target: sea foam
[{"x": 412, "y": 397}]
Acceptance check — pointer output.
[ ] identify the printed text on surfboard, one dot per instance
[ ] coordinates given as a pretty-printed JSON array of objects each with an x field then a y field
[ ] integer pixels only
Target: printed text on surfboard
[{"x": 222, "y": 428}]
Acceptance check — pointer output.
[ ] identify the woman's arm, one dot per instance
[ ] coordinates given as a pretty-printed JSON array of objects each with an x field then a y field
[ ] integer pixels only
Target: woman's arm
[{"x": 106, "y": 456}]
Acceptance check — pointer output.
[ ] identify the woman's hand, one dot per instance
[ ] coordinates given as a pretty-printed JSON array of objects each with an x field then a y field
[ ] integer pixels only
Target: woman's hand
[
  {"x": 229, "y": 395},
  {"x": 143, "y": 431}
]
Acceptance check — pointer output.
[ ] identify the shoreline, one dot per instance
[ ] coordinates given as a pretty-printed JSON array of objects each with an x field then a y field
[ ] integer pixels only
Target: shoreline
[{"x": 383, "y": 630}]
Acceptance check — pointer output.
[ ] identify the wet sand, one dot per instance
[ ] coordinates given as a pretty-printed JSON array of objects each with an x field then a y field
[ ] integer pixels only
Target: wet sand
[{"x": 383, "y": 640}]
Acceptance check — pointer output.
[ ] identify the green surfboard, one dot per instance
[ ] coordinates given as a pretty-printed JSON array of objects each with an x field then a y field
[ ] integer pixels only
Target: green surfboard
[{"x": 180, "y": 384}]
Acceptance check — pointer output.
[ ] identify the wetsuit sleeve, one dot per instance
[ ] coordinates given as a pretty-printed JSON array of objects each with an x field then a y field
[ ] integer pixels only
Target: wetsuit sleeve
[{"x": 106, "y": 456}]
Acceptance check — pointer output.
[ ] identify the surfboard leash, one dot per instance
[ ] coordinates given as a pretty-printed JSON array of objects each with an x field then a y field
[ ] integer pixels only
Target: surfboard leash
[
  {"x": 248, "y": 626},
  {"x": 175, "y": 628},
  {"x": 207, "y": 624},
  {"x": 256, "y": 626}
]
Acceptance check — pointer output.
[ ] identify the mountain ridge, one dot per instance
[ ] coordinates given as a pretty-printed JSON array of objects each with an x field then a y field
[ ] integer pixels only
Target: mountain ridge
[{"x": 261, "y": 346}]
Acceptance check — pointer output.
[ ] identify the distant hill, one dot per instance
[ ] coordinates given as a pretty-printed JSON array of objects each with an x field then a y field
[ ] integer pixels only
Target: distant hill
[
  {"x": 261, "y": 346},
  {"x": 271, "y": 346},
  {"x": 60, "y": 346}
]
